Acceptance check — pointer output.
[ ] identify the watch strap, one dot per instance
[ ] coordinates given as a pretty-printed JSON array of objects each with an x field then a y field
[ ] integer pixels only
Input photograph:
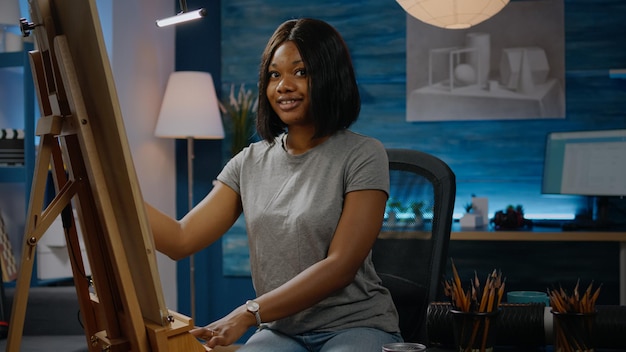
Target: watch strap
[{"x": 258, "y": 318}]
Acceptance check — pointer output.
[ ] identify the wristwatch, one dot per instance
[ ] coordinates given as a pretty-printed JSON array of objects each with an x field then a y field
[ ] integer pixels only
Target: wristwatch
[{"x": 253, "y": 307}]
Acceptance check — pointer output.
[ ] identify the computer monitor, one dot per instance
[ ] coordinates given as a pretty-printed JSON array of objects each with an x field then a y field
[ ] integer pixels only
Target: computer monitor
[{"x": 587, "y": 163}]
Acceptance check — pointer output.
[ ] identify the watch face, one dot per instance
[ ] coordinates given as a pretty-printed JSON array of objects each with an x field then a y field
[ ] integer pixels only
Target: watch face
[{"x": 252, "y": 306}]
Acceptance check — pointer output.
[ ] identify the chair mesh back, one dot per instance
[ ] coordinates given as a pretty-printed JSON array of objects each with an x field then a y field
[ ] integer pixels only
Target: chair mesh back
[{"x": 411, "y": 251}]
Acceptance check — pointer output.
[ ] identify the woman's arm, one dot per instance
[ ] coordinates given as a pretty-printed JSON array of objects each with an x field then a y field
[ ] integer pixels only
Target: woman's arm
[
  {"x": 203, "y": 225},
  {"x": 354, "y": 237}
]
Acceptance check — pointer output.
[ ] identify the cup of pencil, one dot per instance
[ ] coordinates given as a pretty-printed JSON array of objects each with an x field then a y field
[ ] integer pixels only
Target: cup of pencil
[
  {"x": 475, "y": 311},
  {"x": 574, "y": 317}
]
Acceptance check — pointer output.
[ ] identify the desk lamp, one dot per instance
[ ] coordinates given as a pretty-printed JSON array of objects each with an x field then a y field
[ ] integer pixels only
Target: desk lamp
[
  {"x": 190, "y": 110},
  {"x": 452, "y": 14},
  {"x": 183, "y": 16}
]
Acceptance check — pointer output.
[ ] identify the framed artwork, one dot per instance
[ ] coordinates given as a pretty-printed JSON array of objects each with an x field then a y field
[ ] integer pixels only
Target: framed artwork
[{"x": 508, "y": 67}]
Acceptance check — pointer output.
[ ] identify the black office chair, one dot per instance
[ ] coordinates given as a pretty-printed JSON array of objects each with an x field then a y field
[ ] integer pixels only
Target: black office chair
[{"x": 411, "y": 252}]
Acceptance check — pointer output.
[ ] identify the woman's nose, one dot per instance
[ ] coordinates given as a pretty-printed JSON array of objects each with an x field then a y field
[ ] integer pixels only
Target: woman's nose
[{"x": 285, "y": 85}]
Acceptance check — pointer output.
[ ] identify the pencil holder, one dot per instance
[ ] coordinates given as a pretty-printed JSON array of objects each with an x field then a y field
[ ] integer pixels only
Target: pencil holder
[
  {"x": 573, "y": 332},
  {"x": 475, "y": 331}
]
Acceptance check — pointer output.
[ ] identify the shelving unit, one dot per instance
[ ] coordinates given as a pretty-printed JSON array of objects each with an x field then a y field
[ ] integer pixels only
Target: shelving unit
[{"x": 22, "y": 174}]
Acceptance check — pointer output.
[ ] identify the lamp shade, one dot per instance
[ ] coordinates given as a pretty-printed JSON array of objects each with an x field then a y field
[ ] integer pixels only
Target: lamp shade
[
  {"x": 452, "y": 14},
  {"x": 190, "y": 108}
]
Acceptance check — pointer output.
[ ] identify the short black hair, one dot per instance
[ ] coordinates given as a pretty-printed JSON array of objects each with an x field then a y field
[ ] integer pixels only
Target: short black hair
[{"x": 334, "y": 93}]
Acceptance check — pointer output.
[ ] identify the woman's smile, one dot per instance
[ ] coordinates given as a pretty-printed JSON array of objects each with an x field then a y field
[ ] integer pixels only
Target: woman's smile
[{"x": 289, "y": 104}]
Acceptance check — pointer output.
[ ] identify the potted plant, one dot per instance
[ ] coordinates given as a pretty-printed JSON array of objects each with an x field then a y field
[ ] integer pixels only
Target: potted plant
[
  {"x": 418, "y": 209},
  {"x": 410, "y": 215},
  {"x": 239, "y": 113},
  {"x": 394, "y": 207}
]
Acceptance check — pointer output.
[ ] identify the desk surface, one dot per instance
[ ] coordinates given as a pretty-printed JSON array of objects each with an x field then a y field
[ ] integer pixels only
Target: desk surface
[
  {"x": 544, "y": 234},
  {"x": 532, "y": 234},
  {"x": 536, "y": 234}
]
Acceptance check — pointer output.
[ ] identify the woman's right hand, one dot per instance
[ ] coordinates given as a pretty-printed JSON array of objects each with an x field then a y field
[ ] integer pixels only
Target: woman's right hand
[{"x": 227, "y": 330}]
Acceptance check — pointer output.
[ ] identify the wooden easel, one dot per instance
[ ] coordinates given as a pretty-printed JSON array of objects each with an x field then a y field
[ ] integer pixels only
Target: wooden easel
[{"x": 83, "y": 142}]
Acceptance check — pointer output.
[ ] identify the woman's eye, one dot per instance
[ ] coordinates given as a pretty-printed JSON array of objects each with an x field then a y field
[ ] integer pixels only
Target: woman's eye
[
  {"x": 301, "y": 72},
  {"x": 272, "y": 74}
]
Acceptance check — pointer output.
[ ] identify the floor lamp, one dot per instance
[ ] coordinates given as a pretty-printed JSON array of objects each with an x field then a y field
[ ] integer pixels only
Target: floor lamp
[{"x": 190, "y": 111}]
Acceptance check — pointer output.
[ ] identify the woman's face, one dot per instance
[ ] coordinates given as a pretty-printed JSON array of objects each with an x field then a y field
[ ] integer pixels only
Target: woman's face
[{"x": 288, "y": 86}]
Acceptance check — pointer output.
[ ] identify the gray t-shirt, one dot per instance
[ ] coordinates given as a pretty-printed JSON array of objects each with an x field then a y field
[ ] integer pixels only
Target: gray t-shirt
[{"x": 292, "y": 205}]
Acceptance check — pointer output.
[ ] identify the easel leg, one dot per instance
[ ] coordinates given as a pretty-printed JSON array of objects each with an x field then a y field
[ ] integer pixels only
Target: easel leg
[
  {"x": 20, "y": 300},
  {"x": 4, "y": 325},
  {"x": 81, "y": 281}
]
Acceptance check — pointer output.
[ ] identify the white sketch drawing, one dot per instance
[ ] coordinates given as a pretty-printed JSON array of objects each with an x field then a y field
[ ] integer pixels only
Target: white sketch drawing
[{"x": 509, "y": 67}]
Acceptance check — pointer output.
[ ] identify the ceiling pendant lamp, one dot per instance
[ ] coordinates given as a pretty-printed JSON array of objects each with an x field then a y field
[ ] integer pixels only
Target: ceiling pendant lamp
[{"x": 452, "y": 14}]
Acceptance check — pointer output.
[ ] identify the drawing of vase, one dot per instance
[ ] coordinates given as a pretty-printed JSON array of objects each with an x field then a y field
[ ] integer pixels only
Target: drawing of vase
[{"x": 481, "y": 56}]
